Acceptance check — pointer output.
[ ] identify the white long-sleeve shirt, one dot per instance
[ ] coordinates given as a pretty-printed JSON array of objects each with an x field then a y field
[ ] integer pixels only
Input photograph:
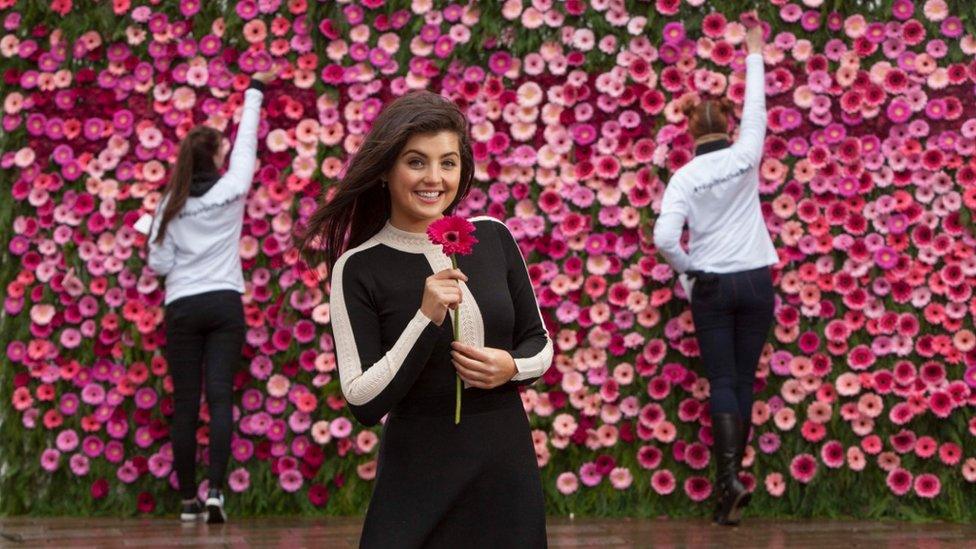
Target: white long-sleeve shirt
[
  {"x": 718, "y": 195},
  {"x": 201, "y": 250}
]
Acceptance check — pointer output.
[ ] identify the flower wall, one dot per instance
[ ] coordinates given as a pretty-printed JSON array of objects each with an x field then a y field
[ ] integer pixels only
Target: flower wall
[{"x": 865, "y": 394}]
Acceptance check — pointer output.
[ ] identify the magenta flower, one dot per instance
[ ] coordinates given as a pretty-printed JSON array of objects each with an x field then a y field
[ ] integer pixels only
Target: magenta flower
[
  {"x": 927, "y": 485},
  {"x": 663, "y": 482},
  {"x": 290, "y": 480},
  {"x": 500, "y": 62},
  {"x": 246, "y": 9},
  {"x": 99, "y": 488},
  {"x": 50, "y": 459},
  {"x": 454, "y": 234},
  {"x": 803, "y": 468},
  {"x": 67, "y": 440},
  {"x": 673, "y": 32},
  {"x": 940, "y": 404},
  {"x": 590, "y": 475},
  {"x": 92, "y": 446},
  {"x": 832, "y": 454},
  {"x": 951, "y": 27},
  {"x": 899, "y": 481},
  {"x": 318, "y": 495},
  {"x": 80, "y": 464},
  {"x": 649, "y": 457},
  {"x": 903, "y": 9},
  {"x": 899, "y": 111},
  {"x": 950, "y": 453},
  {"x": 697, "y": 456},
  {"x": 127, "y": 473},
  {"x": 340, "y": 427},
  {"x": 160, "y": 466},
  {"x": 697, "y": 488},
  {"x": 970, "y": 376}
]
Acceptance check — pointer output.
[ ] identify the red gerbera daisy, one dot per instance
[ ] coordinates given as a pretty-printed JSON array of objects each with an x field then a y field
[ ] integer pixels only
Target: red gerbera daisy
[{"x": 455, "y": 234}]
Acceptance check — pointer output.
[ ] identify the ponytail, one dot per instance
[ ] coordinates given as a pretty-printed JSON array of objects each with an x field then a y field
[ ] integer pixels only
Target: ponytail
[{"x": 195, "y": 155}]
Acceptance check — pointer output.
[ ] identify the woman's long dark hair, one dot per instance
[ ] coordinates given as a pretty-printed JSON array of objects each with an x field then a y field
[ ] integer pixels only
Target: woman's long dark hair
[
  {"x": 196, "y": 155},
  {"x": 361, "y": 205}
]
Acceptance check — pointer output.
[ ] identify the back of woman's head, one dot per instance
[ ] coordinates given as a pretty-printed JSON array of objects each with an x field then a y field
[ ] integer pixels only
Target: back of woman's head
[
  {"x": 711, "y": 116},
  {"x": 361, "y": 204},
  {"x": 195, "y": 156}
]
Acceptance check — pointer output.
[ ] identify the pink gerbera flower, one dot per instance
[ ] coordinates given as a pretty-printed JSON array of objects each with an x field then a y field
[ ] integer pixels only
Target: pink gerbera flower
[
  {"x": 698, "y": 488},
  {"x": 925, "y": 447},
  {"x": 950, "y": 453},
  {"x": 927, "y": 485},
  {"x": 455, "y": 234},
  {"x": 589, "y": 474},
  {"x": 290, "y": 480},
  {"x": 649, "y": 457},
  {"x": 899, "y": 481},
  {"x": 749, "y": 19},
  {"x": 775, "y": 484},
  {"x": 803, "y": 468},
  {"x": 663, "y": 482},
  {"x": 318, "y": 495},
  {"x": 941, "y": 404},
  {"x": 899, "y": 111},
  {"x": 832, "y": 454},
  {"x": 696, "y": 455}
]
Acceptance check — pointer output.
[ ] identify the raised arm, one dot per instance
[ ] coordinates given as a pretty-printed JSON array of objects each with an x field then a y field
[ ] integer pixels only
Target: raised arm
[
  {"x": 243, "y": 156},
  {"x": 752, "y": 133}
]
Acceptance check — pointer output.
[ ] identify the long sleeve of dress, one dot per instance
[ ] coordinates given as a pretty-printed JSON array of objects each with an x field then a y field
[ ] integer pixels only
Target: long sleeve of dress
[
  {"x": 532, "y": 349},
  {"x": 373, "y": 379}
]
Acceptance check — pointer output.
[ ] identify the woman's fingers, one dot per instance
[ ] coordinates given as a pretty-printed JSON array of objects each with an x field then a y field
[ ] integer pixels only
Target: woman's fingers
[
  {"x": 471, "y": 377},
  {"x": 451, "y": 274},
  {"x": 471, "y": 351},
  {"x": 469, "y": 362},
  {"x": 446, "y": 291}
]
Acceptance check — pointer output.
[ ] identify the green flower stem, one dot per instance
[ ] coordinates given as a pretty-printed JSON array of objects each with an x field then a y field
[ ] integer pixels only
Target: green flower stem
[{"x": 457, "y": 377}]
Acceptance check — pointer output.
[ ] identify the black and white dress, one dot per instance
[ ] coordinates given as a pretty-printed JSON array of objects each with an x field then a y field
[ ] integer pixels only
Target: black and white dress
[{"x": 475, "y": 484}]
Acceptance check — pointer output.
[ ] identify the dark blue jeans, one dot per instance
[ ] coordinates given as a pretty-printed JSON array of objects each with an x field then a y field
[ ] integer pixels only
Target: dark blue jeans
[
  {"x": 203, "y": 329},
  {"x": 733, "y": 313}
]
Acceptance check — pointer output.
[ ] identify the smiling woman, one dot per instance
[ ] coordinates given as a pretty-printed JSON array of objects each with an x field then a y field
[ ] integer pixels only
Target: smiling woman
[
  {"x": 424, "y": 181},
  {"x": 408, "y": 141},
  {"x": 438, "y": 483}
]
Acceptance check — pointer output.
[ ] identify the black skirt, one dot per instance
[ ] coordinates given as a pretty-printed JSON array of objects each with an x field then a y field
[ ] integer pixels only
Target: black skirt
[{"x": 475, "y": 484}]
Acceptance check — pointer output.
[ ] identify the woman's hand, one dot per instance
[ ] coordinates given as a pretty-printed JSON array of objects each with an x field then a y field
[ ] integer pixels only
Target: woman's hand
[
  {"x": 267, "y": 76},
  {"x": 754, "y": 39},
  {"x": 482, "y": 367},
  {"x": 442, "y": 291}
]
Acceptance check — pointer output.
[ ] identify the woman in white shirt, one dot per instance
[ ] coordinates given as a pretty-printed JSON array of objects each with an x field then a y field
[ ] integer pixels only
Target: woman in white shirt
[
  {"x": 727, "y": 269},
  {"x": 194, "y": 242}
]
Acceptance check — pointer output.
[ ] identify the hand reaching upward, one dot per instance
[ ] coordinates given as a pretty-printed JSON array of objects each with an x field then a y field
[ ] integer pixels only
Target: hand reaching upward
[{"x": 754, "y": 39}]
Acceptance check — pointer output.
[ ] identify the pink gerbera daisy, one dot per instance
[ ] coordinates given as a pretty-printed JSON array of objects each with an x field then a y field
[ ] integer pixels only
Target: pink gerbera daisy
[{"x": 455, "y": 234}]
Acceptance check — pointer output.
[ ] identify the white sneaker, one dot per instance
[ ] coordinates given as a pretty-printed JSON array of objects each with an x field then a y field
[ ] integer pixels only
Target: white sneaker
[{"x": 191, "y": 511}]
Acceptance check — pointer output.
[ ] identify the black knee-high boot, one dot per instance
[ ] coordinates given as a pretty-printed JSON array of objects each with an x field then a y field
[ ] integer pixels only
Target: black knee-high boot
[
  {"x": 726, "y": 430},
  {"x": 744, "y": 427}
]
